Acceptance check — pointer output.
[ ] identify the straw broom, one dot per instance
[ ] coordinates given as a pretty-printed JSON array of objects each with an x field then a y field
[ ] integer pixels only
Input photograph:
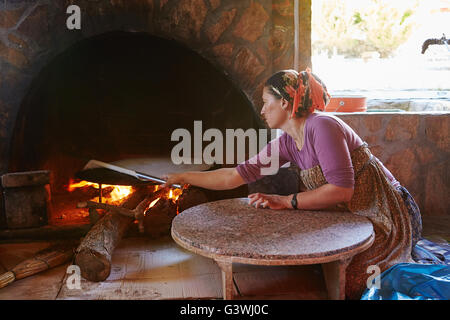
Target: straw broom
[{"x": 50, "y": 257}]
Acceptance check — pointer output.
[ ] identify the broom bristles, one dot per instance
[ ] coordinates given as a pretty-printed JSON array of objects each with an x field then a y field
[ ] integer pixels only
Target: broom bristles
[
  {"x": 6, "y": 278},
  {"x": 45, "y": 259}
]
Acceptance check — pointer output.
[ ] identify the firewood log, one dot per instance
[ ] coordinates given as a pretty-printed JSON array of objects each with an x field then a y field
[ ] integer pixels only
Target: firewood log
[{"x": 158, "y": 219}]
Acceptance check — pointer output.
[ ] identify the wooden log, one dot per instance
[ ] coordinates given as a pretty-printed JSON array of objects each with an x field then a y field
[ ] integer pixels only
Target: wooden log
[
  {"x": 137, "y": 213},
  {"x": 105, "y": 206},
  {"x": 93, "y": 255},
  {"x": 158, "y": 219}
]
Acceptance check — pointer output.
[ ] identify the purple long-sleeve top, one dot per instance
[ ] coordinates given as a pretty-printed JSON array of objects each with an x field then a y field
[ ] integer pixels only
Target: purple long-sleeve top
[{"x": 328, "y": 142}]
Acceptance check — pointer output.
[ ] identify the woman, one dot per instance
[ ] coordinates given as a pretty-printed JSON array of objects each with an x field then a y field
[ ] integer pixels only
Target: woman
[{"x": 337, "y": 169}]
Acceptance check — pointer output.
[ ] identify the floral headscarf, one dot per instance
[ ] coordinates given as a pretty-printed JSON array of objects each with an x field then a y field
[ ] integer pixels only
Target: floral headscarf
[{"x": 304, "y": 91}]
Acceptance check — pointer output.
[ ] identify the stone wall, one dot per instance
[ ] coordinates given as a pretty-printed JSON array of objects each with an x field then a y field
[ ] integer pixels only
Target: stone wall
[
  {"x": 415, "y": 105},
  {"x": 415, "y": 147},
  {"x": 246, "y": 39}
]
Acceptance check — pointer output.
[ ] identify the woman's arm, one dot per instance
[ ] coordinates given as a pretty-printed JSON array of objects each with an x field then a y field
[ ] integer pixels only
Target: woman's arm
[
  {"x": 230, "y": 178},
  {"x": 220, "y": 179},
  {"x": 323, "y": 197}
]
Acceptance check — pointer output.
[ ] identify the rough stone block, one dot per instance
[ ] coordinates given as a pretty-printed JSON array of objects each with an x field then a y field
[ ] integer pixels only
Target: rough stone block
[
  {"x": 251, "y": 25},
  {"x": 247, "y": 67},
  {"x": 9, "y": 18},
  {"x": 354, "y": 121},
  {"x": 25, "y": 179},
  {"x": 215, "y": 31},
  {"x": 437, "y": 131},
  {"x": 402, "y": 127},
  {"x": 13, "y": 56},
  {"x": 403, "y": 165},
  {"x": 26, "y": 207},
  {"x": 223, "y": 53},
  {"x": 26, "y": 199},
  {"x": 425, "y": 154},
  {"x": 36, "y": 26},
  {"x": 437, "y": 190},
  {"x": 279, "y": 39},
  {"x": 373, "y": 123},
  {"x": 214, "y": 4},
  {"x": 188, "y": 17}
]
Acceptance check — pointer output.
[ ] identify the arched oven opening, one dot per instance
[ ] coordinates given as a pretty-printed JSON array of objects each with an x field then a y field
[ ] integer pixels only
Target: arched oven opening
[{"x": 117, "y": 96}]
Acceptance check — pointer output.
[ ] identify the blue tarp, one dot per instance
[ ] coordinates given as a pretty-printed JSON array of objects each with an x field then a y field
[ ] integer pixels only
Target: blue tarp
[{"x": 411, "y": 281}]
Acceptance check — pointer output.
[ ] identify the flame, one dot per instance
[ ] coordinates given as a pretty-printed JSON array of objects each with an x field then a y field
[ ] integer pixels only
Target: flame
[
  {"x": 174, "y": 194},
  {"x": 72, "y": 186},
  {"x": 171, "y": 194},
  {"x": 118, "y": 193},
  {"x": 153, "y": 203}
]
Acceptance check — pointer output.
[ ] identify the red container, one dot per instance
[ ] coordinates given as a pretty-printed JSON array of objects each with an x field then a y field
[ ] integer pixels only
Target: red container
[{"x": 347, "y": 104}]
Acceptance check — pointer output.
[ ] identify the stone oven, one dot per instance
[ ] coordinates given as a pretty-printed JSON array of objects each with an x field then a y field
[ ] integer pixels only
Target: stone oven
[{"x": 136, "y": 70}]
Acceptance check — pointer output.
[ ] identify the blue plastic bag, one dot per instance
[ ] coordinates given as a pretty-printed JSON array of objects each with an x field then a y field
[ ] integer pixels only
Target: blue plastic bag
[{"x": 411, "y": 281}]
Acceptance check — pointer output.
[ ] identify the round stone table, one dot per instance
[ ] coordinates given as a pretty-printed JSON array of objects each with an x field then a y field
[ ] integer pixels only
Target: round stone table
[{"x": 233, "y": 231}]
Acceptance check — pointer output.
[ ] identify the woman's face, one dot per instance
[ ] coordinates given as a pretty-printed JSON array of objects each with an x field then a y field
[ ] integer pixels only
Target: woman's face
[{"x": 272, "y": 110}]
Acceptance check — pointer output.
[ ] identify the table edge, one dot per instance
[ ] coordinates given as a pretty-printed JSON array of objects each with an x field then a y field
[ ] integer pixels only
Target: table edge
[{"x": 360, "y": 247}]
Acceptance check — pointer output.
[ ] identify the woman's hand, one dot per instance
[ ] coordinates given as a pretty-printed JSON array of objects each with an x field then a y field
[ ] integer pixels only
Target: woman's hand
[
  {"x": 173, "y": 178},
  {"x": 272, "y": 201}
]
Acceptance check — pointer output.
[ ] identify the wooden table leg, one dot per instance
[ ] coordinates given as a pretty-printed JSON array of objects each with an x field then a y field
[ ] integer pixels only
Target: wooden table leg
[
  {"x": 334, "y": 273},
  {"x": 227, "y": 278}
]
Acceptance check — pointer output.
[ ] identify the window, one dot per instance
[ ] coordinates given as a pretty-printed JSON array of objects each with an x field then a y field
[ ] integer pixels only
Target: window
[{"x": 373, "y": 48}]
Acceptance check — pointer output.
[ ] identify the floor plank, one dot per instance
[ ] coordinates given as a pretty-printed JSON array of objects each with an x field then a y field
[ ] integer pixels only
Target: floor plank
[
  {"x": 160, "y": 269},
  {"x": 197, "y": 287},
  {"x": 41, "y": 286},
  {"x": 11, "y": 254}
]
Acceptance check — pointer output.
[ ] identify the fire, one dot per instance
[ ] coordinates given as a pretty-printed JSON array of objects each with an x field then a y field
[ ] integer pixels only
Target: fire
[
  {"x": 174, "y": 194},
  {"x": 72, "y": 186},
  {"x": 117, "y": 194},
  {"x": 120, "y": 192},
  {"x": 170, "y": 194},
  {"x": 153, "y": 203}
]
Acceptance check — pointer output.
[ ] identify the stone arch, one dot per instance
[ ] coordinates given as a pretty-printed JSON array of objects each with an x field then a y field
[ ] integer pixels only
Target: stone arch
[
  {"x": 120, "y": 95},
  {"x": 245, "y": 39}
]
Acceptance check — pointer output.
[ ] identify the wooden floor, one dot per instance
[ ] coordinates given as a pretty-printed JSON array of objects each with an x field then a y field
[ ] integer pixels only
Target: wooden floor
[{"x": 160, "y": 269}]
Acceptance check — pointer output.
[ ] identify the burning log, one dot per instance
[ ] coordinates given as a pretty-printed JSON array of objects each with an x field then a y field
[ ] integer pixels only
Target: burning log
[
  {"x": 93, "y": 255},
  {"x": 137, "y": 213},
  {"x": 158, "y": 219},
  {"x": 154, "y": 214}
]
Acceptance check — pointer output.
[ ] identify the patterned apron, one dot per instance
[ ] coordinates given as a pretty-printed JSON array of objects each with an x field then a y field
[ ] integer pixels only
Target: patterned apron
[{"x": 375, "y": 198}]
